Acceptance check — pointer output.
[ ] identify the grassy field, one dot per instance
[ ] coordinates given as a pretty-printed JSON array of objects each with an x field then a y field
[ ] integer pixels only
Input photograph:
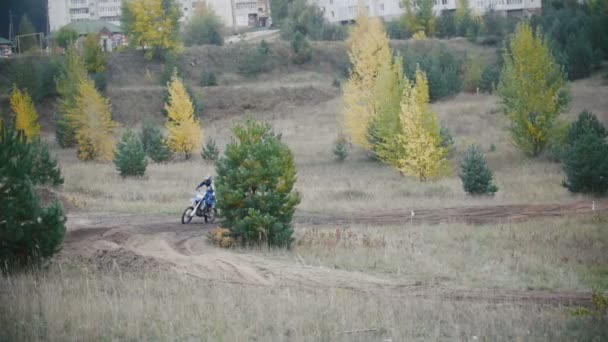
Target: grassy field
[
  {"x": 72, "y": 301},
  {"x": 311, "y": 130},
  {"x": 74, "y": 304}
]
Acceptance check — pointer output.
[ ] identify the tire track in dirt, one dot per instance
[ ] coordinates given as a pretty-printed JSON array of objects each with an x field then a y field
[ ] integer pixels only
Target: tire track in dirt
[{"x": 144, "y": 241}]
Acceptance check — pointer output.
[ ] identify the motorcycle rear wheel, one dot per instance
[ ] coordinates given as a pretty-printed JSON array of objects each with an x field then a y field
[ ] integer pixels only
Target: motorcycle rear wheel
[
  {"x": 187, "y": 215},
  {"x": 210, "y": 214}
]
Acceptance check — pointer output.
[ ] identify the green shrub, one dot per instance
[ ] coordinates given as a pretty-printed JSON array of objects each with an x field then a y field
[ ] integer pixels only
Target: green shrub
[
  {"x": 447, "y": 141},
  {"x": 65, "y": 135},
  {"x": 341, "y": 148},
  {"x": 65, "y": 36},
  {"x": 154, "y": 144},
  {"x": 210, "y": 151},
  {"x": 396, "y": 30},
  {"x": 29, "y": 233},
  {"x": 308, "y": 20},
  {"x": 254, "y": 61},
  {"x": 443, "y": 69},
  {"x": 255, "y": 180},
  {"x": 446, "y": 25},
  {"x": 476, "y": 176},
  {"x": 584, "y": 156},
  {"x": 473, "y": 72},
  {"x": 586, "y": 166},
  {"x": 100, "y": 79},
  {"x": 204, "y": 28},
  {"x": 95, "y": 60},
  {"x": 208, "y": 79},
  {"x": 489, "y": 78},
  {"x": 302, "y": 52},
  {"x": 36, "y": 74},
  {"x": 130, "y": 158}
]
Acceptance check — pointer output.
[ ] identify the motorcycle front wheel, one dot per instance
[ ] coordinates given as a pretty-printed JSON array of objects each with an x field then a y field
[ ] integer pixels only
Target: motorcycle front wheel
[{"x": 187, "y": 215}]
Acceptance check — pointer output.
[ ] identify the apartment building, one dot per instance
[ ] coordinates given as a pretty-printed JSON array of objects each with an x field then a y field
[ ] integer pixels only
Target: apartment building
[
  {"x": 346, "y": 10},
  {"x": 234, "y": 13}
]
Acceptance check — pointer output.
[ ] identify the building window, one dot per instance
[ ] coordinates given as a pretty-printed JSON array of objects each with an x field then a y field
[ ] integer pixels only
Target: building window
[
  {"x": 382, "y": 7},
  {"x": 331, "y": 2},
  {"x": 246, "y": 5},
  {"x": 444, "y": 2},
  {"x": 332, "y": 14},
  {"x": 79, "y": 11},
  {"x": 78, "y": 2}
]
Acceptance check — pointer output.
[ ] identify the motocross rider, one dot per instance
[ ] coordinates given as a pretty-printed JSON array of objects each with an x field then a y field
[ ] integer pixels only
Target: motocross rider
[{"x": 208, "y": 182}]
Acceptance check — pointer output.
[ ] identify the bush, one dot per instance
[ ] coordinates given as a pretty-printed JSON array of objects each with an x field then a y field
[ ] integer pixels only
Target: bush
[
  {"x": 29, "y": 233},
  {"x": 210, "y": 151},
  {"x": 100, "y": 79},
  {"x": 446, "y": 25},
  {"x": 36, "y": 75},
  {"x": 65, "y": 36},
  {"x": 476, "y": 176},
  {"x": 95, "y": 60},
  {"x": 308, "y": 20},
  {"x": 301, "y": 49},
  {"x": 208, "y": 79},
  {"x": 447, "y": 141},
  {"x": 255, "y": 61},
  {"x": 473, "y": 72},
  {"x": 586, "y": 166},
  {"x": 396, "y": 30},
  {"x": 341, "y": 148},
  {"x": 443, "y": 70},
  {"x": 65, "y": 135},
  {"x": 255, "y": 180},
  {"x": 154, "y": 144},
  {"x": 130, "y": 158},
  {"x": 203, "y": 28},
  {"x": 584, "y": 156},
  {"x": 489, "y": 78}
]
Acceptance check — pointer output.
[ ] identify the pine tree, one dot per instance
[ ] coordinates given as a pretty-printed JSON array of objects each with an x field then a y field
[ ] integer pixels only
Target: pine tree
[
  {"x": 585, "y": 164},
  {"x": 26, "y": 27},
  {"x": 45, "y": 169},
  {"x": 26, "y": 118},
  {"x": 255, "y": 180},
  {"x": 341, "y": 148},
  {"x": 369, "y": 52},
  {"x": 301, "y": 49},
  {"x": 130, "y": 158},
  {"x": 28, "y": 232},
  {"x": 417, "y": 150},
  {"x": 92, "y": 120},
  {"x": 185, "y": 133},
  {"x": 153, "y": 25},
  {"x": 531, "y": 90},
  {"x": 210, "y": 151},
  {"x": 68, "y": 83},
  {"x": 476, "y": 176},
  {"x": 154, "y": 143},
  {"x": 584, "y": 156}
]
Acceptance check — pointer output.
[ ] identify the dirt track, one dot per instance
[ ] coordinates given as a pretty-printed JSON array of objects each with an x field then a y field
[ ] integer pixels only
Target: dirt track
[{"x": 134, "y": 242}]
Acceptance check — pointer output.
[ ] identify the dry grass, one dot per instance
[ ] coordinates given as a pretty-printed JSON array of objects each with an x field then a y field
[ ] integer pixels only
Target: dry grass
[
  {"x": 555, "y": 254},
  {"x": 75, "y": 304},
  {"x": 357, "y": 184}
]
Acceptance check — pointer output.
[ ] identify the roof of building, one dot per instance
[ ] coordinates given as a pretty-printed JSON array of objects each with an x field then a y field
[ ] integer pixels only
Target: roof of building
[
  {"x": 5, "y": 41},
  {"x": 93, "y": 26}
]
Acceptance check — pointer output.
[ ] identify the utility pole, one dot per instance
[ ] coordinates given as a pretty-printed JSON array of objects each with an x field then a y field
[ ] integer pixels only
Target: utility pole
[{"x": 11, "y": 32}]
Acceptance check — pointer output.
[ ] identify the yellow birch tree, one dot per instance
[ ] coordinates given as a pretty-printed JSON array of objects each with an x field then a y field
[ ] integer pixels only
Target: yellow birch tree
[
  {"x": 153, "y": 25},
  {"x": 26, "y": 117},
  {"x": 184, "y": 130},
  {"x": 417, "y": 150},
  {"x": 531, "y": 88},
  {"x": 369, "y": 52},
  {"x": 92, "y": 121}
]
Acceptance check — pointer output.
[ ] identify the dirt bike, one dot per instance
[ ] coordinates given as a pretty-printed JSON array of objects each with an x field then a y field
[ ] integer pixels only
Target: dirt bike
[{"x": 199, "y": 208}]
